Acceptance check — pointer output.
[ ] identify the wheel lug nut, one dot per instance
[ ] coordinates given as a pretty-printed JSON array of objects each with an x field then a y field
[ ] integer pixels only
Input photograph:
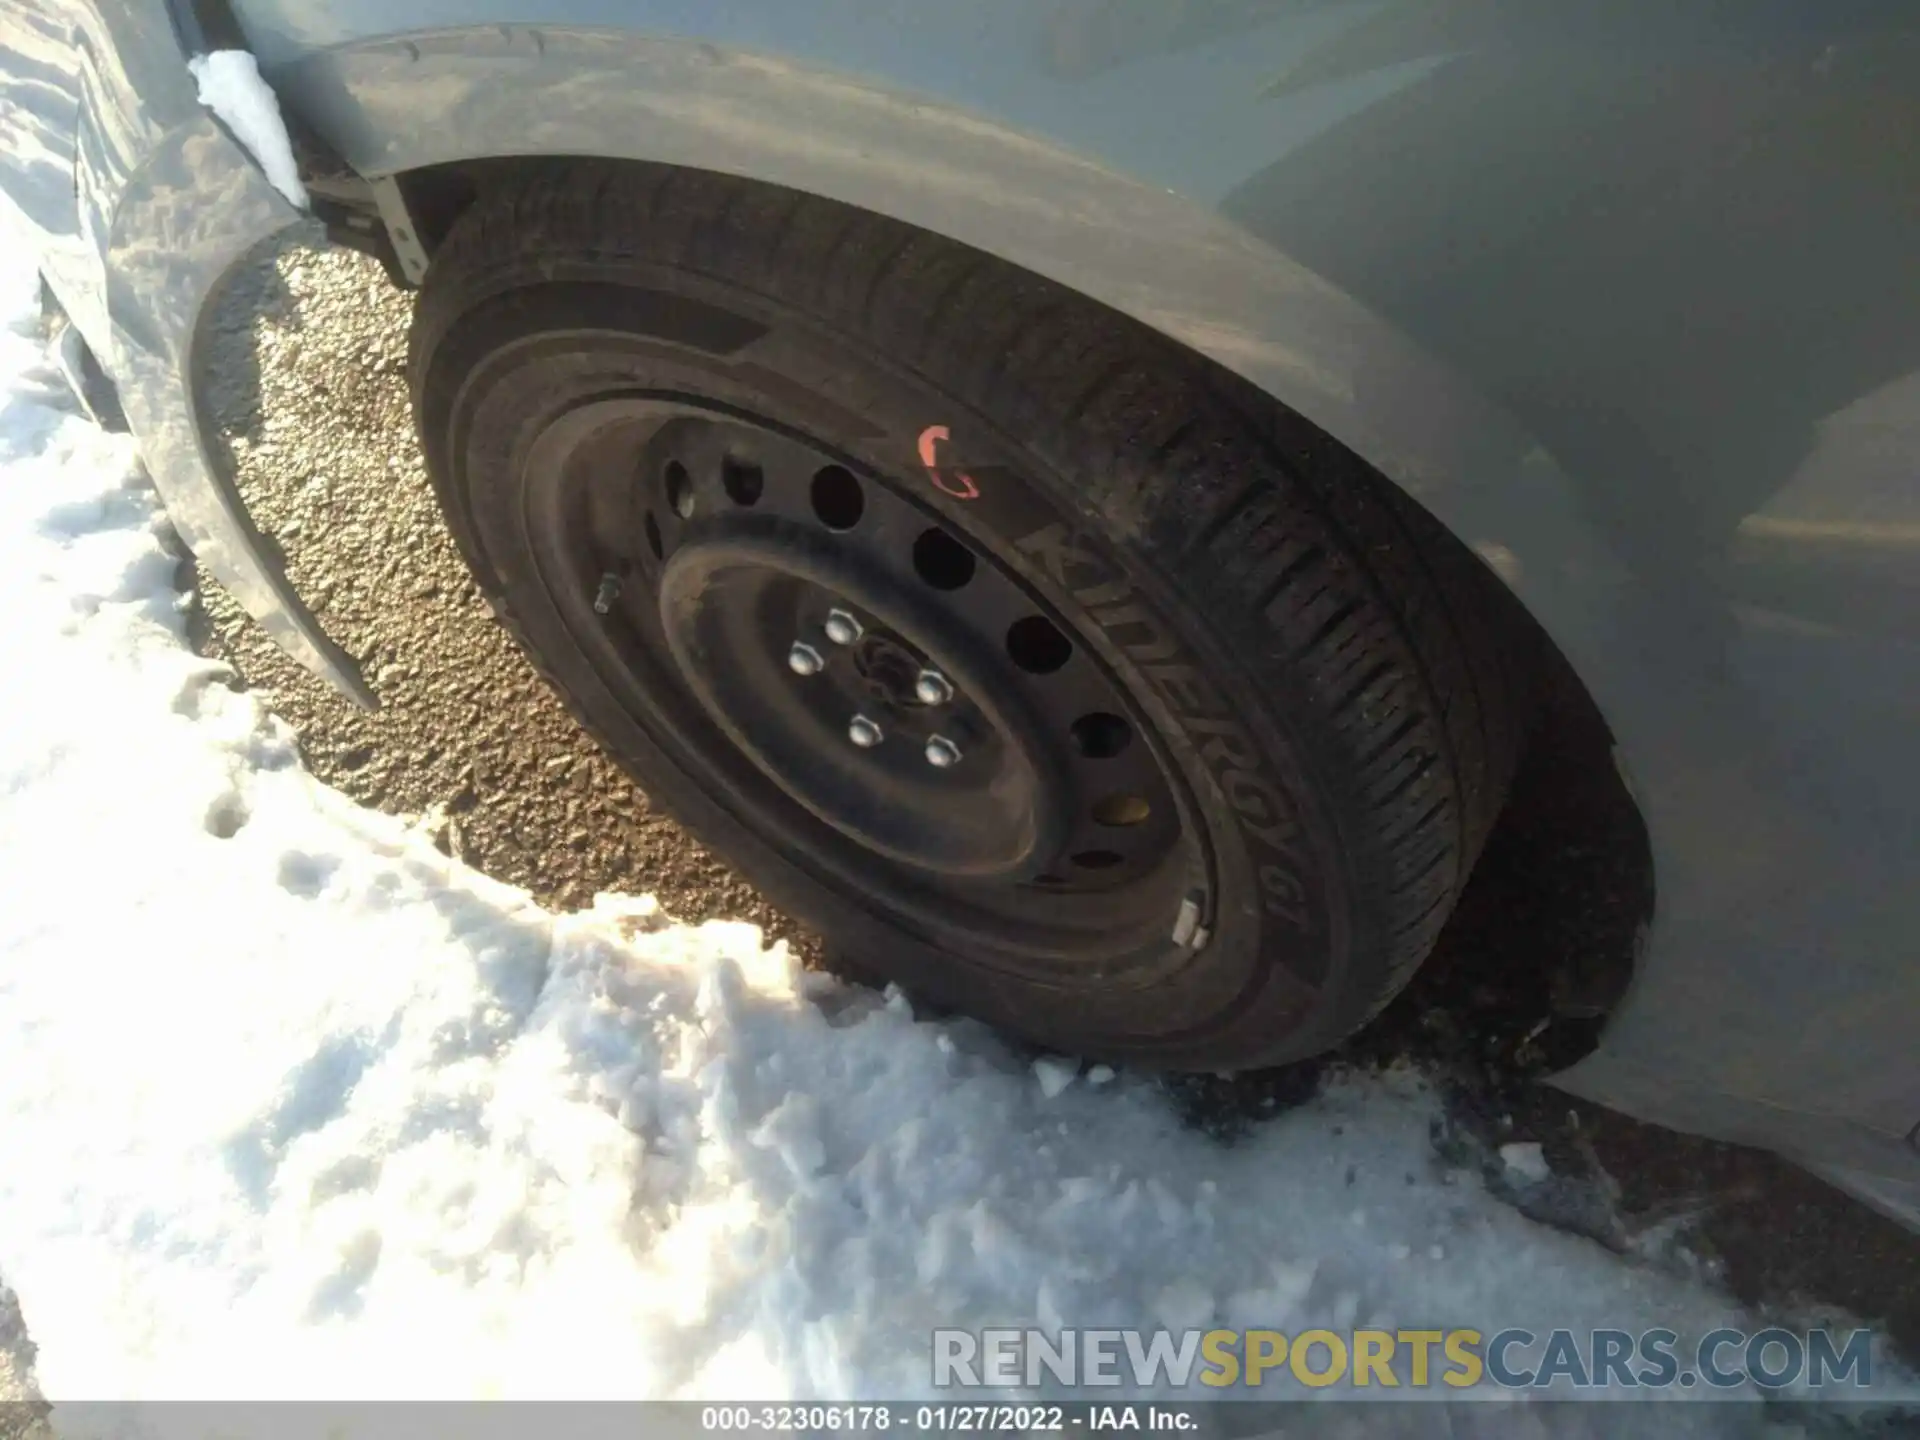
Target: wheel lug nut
[
  {"x": 842, "y": 628},
  {"x": 933, "y": 688},
  {"x": 863, "y": 732},
  {"x": 942, "y": 753},
  {"x": 803, "y": 659},
  {"x": 608, "y": 592}
]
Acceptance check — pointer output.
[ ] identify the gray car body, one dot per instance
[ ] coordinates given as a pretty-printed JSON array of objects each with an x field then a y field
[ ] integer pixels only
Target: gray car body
[{"x": 1627, "y": 294}]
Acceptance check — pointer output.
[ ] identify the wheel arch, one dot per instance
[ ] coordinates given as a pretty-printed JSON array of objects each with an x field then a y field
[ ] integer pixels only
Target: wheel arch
[
  {"x": 507, "y": 93},
  {"x": 504, "y": 94}
]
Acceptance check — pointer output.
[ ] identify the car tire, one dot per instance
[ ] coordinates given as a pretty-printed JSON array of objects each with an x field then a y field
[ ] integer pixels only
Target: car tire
[{"x": 1231, "y": 716}]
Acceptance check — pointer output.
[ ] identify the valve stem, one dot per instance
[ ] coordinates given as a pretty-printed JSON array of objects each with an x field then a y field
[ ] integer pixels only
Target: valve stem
[{"x": 608, "y": 592}]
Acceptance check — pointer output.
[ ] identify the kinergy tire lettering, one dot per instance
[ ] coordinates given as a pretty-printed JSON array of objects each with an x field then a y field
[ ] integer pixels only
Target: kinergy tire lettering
[{"x": 1224, "y": 745}]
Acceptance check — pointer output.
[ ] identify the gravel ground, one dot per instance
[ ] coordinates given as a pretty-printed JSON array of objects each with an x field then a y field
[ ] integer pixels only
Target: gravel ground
[{"x": 310, "y": 388}]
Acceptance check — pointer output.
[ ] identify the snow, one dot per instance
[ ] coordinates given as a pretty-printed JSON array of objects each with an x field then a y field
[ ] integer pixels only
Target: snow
[
  {"x": 293, "y": 1105},
  {"x": 1055, "y": 1073},
  {"x": 229, "y": 84},
  {"x": 1525, "y": 1159}
]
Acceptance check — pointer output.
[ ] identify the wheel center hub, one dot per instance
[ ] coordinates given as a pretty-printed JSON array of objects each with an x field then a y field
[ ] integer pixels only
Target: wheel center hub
[
  {"x": 860, "y": 701},
  {"x": 891, "y": 669}
]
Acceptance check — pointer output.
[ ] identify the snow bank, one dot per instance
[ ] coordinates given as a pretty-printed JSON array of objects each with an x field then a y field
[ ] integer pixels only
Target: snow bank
[
  {"x": 229, "y": 84},
  {"x": 292, "y": 1105}
]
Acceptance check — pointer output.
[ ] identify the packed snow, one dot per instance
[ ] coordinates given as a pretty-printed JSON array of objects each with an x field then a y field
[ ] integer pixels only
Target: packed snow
[
  {"x": 1526, "y": 1160},
  {"x": 292, "y": 1105},
  {"x": 229, "y": 84}
]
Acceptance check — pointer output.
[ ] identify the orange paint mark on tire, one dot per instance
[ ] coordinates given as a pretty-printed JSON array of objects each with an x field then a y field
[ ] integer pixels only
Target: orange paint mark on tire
[{"x": 956, "y": 483}]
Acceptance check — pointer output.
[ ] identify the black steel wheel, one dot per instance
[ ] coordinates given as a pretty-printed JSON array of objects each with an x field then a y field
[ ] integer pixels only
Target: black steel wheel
[
  {"x": 854, "y": 674},
  {"x": 992, "y": 635}
]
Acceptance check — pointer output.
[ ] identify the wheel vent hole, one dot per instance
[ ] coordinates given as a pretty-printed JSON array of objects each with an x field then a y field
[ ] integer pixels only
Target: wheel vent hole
[
  {"x": 1118, "y": 811},
  {"x": 837, "y": 498},
  {"x": 1097, "y": 859},
  {"x": 1049, "y": 879},
  {"x": 1100, "y": 736},
  {"x": 652, "y": 528},
  {"x": 1036, "y": 645},
  {"x": 742, "y": 480},
  {"x": 679, "y": 489},
  {"x": 942, "y": 561}
]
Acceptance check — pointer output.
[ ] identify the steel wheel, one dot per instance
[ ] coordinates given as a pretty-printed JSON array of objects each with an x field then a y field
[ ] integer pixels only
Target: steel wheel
[{"x": 852, "y": 669}]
